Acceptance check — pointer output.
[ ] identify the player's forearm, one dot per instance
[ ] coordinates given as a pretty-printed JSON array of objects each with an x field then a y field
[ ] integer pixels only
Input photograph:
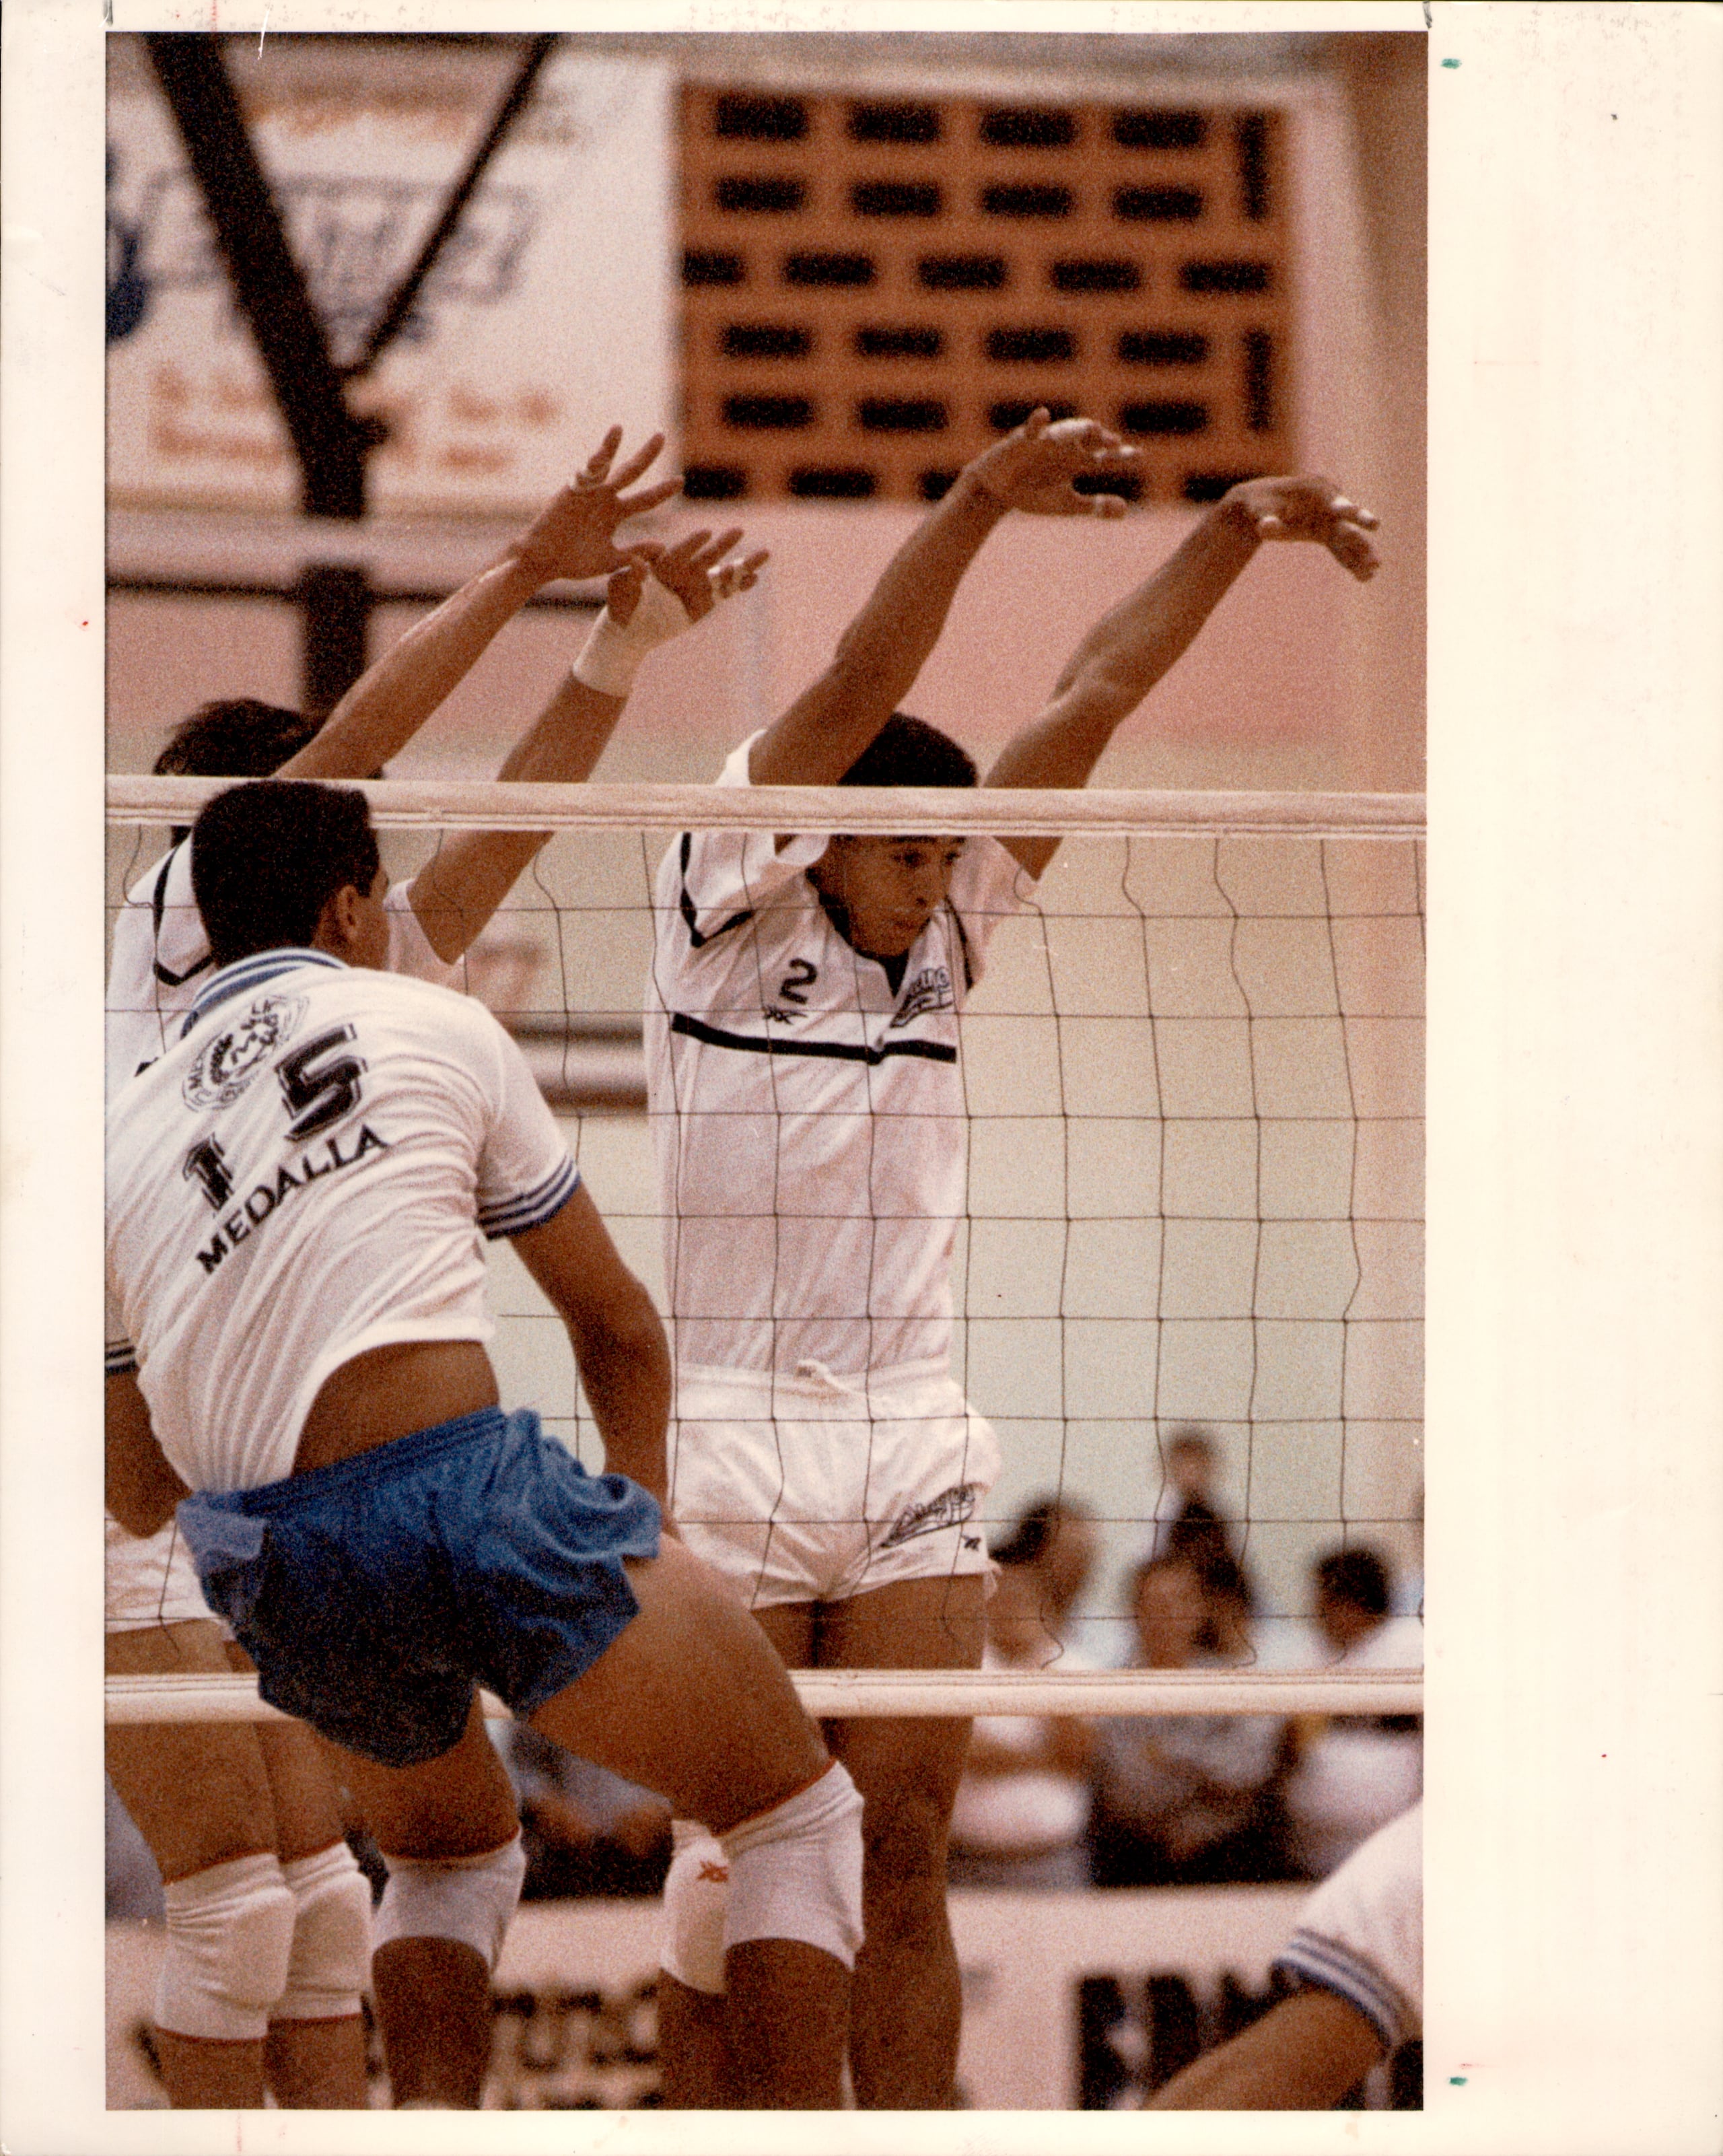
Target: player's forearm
[
  {"x": 390, "y": 701},
  {"x": 1126, "y": 653},
  {"x": 624, "y": 1366},
  {"x": 455, "y": 895},
  {"x": 882, "y": 651},
  {"x": 1303, "y": 2054}
]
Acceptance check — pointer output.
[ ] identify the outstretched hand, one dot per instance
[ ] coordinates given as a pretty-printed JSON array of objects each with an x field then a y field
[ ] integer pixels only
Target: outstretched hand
[
  {"x": 1310, "y": 508},
  {"x": 574, "y": 534},
  {"x": 694, "y": 569},
  {"x": 1033, "y": 467}
]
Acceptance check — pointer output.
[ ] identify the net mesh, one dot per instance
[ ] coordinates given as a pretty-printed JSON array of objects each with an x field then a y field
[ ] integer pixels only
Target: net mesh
[{"x": 1191, "y": 1079}]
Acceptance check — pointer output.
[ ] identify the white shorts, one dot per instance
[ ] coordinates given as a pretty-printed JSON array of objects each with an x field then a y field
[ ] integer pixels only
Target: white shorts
[
  {"x": 809, "y": 1489},
  {"x": 151, "y": 1579}
]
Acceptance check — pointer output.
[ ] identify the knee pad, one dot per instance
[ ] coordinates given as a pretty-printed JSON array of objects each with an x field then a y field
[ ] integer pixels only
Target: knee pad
[
  {"x": 331, "y": 1963},
  {"x": 696, "y": 1895},
  {"x": 469, "y": 1898},
  {"x": 796, "y": 1871},
  {"x": 229, "y": 1939}
]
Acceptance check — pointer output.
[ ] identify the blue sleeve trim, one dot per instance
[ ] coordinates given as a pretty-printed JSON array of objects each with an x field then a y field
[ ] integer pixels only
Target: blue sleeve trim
[
  {"x": 1313, "y": 1959},
  {"x": 120, "y": 1360},
  {"x": 513, "y": 1216}
]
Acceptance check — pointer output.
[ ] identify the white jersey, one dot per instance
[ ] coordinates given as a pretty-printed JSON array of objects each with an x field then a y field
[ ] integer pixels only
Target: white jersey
[
  {"x": 1361, "y": 1933},
  {"x": 162, "y": 959},
  {"x": 302, "y": 1177},
  {"x": 808, "y": 1117}
]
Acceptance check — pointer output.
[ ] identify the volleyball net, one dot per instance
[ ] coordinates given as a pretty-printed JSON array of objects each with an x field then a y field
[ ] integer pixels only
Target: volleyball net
[{"x": 1192, "y": 1076}]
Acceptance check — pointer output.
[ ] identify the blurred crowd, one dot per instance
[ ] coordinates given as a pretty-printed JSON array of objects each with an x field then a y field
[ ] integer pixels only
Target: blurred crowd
[{"x": 1183, "y": 1800}]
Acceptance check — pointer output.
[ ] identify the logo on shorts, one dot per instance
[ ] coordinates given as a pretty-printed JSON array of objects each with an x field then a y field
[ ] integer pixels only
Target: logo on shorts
[
  {"x": 950, "y": 1509},
  {"x": 226, "y": 1065}
]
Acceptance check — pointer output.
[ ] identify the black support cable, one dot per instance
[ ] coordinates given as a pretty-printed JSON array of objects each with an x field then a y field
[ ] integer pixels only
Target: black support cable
[
  {"x": 330, "y": 442},
  {"x": 387, "y": 325}
]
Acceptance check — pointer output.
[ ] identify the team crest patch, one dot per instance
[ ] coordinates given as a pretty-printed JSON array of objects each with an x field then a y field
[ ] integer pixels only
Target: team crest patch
[
  {"x": 929, "y": 990},
  {"x": 950, "y": 1509},
  {"x": 226, "y": 1065}
]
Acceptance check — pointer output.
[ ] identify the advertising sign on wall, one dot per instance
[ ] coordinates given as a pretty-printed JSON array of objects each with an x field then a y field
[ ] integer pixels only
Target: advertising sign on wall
[{"x": 548, "y": 314}]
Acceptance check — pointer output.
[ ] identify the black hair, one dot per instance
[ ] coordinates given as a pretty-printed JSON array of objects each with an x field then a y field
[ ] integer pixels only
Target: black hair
[
  {"x": 1358, "y": 1576},
  {"x": 267, "y": 858},
  {"x": 908, "y": 752},
  {"x": 235, "y": 737}
]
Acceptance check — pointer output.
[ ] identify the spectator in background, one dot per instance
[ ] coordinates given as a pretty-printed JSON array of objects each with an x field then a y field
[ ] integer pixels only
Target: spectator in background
[
  {"x": 1187, "y": 1522},
  {"x": 1056, "y": 1537},
  {"x": 1023, "y": 1800},
  {"x": 1229, "y": 1607},
  {"x": 1350, "y": 1774},
  {"x": 1181, "y": 1800},
  {"x": 584, "y": 1829}
]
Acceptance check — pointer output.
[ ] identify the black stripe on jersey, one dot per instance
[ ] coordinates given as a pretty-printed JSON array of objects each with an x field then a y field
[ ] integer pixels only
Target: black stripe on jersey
[
  {"x": 695, "y": 937},
  {"x": 158, "y": 906},
  {"x": 840, "y": 1051}
]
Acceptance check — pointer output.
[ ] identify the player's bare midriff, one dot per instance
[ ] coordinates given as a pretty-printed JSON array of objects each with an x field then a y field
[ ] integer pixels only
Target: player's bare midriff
[{"x": 391, "y": 1392}]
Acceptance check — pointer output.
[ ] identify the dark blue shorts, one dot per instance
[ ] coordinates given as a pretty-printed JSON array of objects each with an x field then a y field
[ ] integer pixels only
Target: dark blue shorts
[{"x": 373, "y": 1594}]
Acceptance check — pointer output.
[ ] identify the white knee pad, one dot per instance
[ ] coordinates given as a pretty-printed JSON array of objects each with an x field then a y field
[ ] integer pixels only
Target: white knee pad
[
  {"x": 331, "y": 1961},
  {"x": 696, "y": 1895},
  {"x": 229, "y": 1938},
  {"x": 796, "y": 1871},
  {"x": 469, "y": 1898}
]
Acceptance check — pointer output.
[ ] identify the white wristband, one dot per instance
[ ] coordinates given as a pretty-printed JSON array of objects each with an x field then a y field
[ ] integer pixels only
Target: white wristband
[{"x": 612, "y": 653}]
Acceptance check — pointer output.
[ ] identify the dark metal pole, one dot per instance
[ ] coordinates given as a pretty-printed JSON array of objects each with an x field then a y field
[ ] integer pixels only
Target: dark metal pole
[
  {"x": 329, "y": 441},
  {"x": 396, "y": 310},
  {"x": 337, "y": 602}
]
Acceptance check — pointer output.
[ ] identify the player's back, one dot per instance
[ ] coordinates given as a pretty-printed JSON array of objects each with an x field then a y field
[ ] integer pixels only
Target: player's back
[{"x": 303, "y": 1177}]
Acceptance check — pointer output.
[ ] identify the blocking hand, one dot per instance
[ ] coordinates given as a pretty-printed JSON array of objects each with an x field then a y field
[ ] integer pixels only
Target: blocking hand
[
  {"x": 1310, "y": 508},
  {"x": 694, "y": 570},
  {"x": 1033, "y": 467},
  {"x": 574, "y": 534}
]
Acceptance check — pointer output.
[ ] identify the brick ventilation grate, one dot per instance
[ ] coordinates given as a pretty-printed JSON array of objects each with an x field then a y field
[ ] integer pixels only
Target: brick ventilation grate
[{"x": 874, "y": 290}]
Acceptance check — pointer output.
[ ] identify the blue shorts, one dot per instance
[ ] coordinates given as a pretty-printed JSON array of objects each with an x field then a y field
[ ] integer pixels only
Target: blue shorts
[{"x": 373, "y": 1594}]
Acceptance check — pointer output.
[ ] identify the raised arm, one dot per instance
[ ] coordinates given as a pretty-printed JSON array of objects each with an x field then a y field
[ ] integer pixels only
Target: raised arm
[
  {"x": 885, "y": 647},
  {"x": 618, "y": 1340},
  {"x": 573, "y": 536},
  {"x": 1129, "y": 648},
  {"x": 455, "y": 894}
]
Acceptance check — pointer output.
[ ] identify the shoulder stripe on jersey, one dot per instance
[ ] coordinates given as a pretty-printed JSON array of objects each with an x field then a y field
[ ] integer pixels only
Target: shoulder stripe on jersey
[
  {"x": 251, "y": 972},
  {"x": 838, "y": 1051},
  {"x": 513, "y": 1216},
  {"x": 158, "y": 906},
  {"x": 1324, "y": 1962},
  {"x": 688, "y": 915}
]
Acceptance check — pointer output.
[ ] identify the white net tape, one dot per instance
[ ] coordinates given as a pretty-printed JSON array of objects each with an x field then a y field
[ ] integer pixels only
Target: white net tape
[
  {"x": 1192, "y": 1079},
  {"x": 869, "y": 1693}
]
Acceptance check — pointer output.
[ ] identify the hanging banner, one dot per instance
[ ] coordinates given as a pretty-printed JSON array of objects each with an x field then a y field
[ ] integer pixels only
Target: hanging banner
[{"x": 549, "y": 313}]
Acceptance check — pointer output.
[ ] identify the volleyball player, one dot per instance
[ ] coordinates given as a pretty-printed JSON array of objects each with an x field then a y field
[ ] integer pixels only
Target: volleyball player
[
  {"x": 809, "y": 1113},
  {"x": 1357, "y": 1957},
  {"x": 297, "y": 1190},
  {"x": 220, "y": 1804}
]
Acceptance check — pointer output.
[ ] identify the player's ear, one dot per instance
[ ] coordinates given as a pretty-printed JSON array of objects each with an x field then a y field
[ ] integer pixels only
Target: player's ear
[{"x": 338, "y": 925}]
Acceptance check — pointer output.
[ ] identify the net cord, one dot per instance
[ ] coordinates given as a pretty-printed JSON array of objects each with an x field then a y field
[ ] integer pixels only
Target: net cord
[
  {"x": 878, "y": 1693},
  {"x": 504, "y": 805}
]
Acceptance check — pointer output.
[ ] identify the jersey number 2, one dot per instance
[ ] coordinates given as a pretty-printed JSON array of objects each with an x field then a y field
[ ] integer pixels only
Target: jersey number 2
[
  {"x": 794, "y": 987},
  {"x": 319, "y": 1085}
]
